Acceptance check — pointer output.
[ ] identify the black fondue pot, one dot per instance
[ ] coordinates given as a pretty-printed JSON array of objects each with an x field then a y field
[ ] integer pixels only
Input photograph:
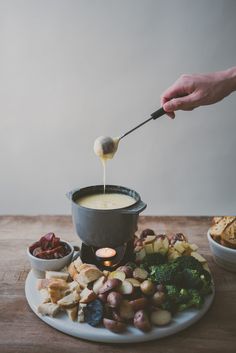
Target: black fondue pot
[{"x": 105, "y": 228}]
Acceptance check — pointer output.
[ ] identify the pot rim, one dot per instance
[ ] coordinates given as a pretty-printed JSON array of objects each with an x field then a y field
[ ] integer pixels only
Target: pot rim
[{"x": 127, "y": 191}]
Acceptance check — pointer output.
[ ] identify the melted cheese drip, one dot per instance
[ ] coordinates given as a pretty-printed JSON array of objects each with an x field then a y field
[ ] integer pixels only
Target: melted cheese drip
[
  {"x": 104, "y": 173},
  {"x": 106, "y": 201},
  {"x": 104, "y": 157}
]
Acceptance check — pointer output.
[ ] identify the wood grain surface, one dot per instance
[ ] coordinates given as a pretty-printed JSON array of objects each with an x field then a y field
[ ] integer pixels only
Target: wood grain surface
[{"x": 21, "y": 331}]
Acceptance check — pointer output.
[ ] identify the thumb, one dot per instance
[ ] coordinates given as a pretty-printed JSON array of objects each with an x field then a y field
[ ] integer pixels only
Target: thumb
[{"x": 181, "y": 103}]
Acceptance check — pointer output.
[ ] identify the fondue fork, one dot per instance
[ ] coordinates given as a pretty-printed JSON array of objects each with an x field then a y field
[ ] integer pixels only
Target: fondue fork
[
  {"x": 157, "y": 114},
  {"x": 105, "y": 146}
]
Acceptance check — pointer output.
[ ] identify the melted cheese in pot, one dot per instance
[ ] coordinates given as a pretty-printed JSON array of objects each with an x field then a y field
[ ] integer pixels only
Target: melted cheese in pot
[{"x": 108, "y": 201}]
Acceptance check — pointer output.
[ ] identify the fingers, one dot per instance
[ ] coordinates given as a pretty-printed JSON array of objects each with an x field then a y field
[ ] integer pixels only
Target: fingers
[
  {"x": 176, "y": 90},
  {"x": 182, "y": 103},
  {"x": 172, "y": 92},
  {"x": 171, "y": 114},
  {"x": 174, "y": 98}
]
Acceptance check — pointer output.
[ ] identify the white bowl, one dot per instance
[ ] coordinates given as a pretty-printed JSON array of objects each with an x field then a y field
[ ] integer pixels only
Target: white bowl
[
  {"x": 223, "y": 256},
  {"x": 39, "y": 266}
]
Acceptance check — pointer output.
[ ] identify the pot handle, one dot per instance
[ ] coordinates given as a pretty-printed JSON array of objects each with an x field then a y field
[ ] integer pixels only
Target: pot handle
[
  {"x": 70, "y": 193},
  {"x": 136, "y": 209}
]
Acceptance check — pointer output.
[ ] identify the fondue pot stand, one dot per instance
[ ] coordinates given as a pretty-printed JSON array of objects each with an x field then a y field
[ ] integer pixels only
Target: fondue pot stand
[{"x": 105, "y": 228}]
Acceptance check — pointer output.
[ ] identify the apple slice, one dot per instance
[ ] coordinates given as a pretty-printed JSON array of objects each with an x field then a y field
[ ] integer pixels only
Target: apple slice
[
  {"x": 140, "y": 255},
  {"x": 149, "y": 248}
]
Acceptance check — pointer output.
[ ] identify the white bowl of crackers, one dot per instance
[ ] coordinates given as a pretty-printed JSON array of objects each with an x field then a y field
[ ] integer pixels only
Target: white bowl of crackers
[{"x": 222, "y": 241}]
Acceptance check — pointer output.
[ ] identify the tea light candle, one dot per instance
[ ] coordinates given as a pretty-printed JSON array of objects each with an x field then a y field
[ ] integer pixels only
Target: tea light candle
[
  {"x": 105, "y": 253},
  {"x": 107, "y": 263}
]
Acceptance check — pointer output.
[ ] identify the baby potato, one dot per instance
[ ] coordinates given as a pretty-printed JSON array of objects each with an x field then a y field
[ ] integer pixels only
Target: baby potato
[
  {"x": 109, "y": 285},
  {"x": 126, "y": 310},
  {"x": 103, "y": 297},
  {"x": 158, "y": 298},
  {"x": 134, "y": 282},
  {"x": 127, "y": 270},
  {"x": 147, "y": 287},
  {"x": 114, "y": 299},
  {"x": 126, "y": 288},
  {"x": 114, "y": 326},
  {"x": 141, "y": 321},
  {"x": 116, "y": 315},
  {"x": 140, "y": 274},
  {"x": 139, "y": 304},
  {"x": 160, "y": 317},
  {"x": 117, "y": 274}
]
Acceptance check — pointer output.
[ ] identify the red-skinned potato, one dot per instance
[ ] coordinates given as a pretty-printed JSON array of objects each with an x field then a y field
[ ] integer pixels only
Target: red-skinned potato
[
  {"x": 103, "y": 297},
  {"x": 141, "y": 321},
  {"x": 126, "y": 288},
  {"x": 114, "y": 299},
  {"x": 139, "y": 304},
  {"x": 114, "y": 326},
  {"x": 134, "y": 282},
  {"x": 158, "y": 298},
  {"x": 127, "y": 270},
  {"x": 107, "y": 311},
  {"x": 116, "y": 315},
  {"x": 117, "y": 274},
  {"x": 109, "y": 285},
  {"x": 126, "y": 310},
  {"x": 160, "y": 317},
  {"x": 147, "y": 287}
]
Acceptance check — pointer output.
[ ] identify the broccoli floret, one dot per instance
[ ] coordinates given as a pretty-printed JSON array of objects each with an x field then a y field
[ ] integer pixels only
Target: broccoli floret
[
  {"x": 190, "y": 262},
  {"x": 196, "y": 300},
  {"x": 176, "y": 294},
  {"x": 191, "y": 278},
  {"x": 184, "y": 296},
  {"x": 186, "y": 282},
  {"x": 197, "y": 280},
  {"x": 207, "y": 276},
  {"x": 169, "y": 305},
  {"x": 165, "y": 273},
  {"x": 206, "y": 280},
  {"x": 172, "y": 292},
  {"x": 153, "y": 259},
  {"x": 173, "y": 272}
]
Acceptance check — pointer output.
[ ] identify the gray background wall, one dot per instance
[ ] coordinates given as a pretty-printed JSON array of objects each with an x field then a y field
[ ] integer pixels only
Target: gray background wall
[{"x": 73, "y": 70}]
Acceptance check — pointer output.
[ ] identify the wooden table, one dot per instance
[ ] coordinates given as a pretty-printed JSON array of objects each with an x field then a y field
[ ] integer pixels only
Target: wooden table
[{"x": 21, "y": 331}]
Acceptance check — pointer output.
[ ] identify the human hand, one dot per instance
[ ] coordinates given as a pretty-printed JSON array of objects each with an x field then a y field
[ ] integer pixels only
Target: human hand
[{"x": 192, "y": 91}]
